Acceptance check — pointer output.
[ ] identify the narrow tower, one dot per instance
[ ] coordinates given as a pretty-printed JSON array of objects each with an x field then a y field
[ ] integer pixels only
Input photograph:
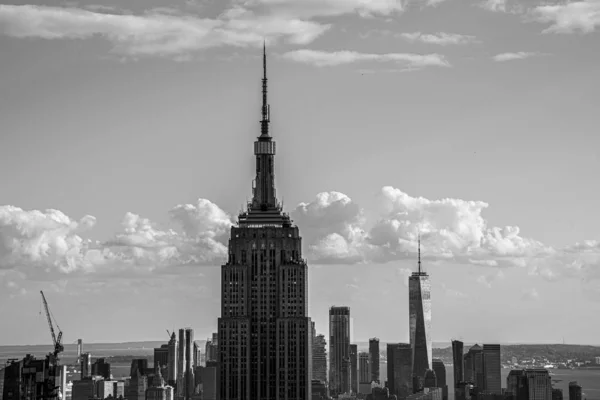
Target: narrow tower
[
  {"x": 419, "y": 288},
  {"x": 265, "y": 335}
]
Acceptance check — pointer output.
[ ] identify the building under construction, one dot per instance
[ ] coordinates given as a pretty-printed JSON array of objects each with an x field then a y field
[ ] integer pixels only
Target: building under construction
[{"x": 33, "y": 379}]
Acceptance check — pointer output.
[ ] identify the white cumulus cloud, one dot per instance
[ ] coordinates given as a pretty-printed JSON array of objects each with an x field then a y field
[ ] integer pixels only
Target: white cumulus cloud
[
  {"x": 520, "y": 55},
  {"x": 569, "y": 17},
  {"x": 440, "y": 38}
]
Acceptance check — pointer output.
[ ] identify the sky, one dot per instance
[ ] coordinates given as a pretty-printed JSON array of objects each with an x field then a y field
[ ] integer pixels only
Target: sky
[{"x": 126, "y": 140}]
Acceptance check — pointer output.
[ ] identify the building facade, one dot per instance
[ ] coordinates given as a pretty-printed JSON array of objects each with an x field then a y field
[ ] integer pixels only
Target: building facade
[
  {"x": 419, "y": 288},
  {"x": 399, "y": 369},
  {"x": 264, "y": 335},
  {"x": 574, "y": 391},
  {"x": 172, "y": 362},
  {"x": 339, "y": 350},
  {"x": 529, "y": 384},
  {"x": 374, "y": 359},
  {"x": 319, "y": 358},
  {"x": 474, "y": 366},
  {"x": 354, "y": 368},
  {"x": 492, "y": 369},
  {"x": 440, "y": 373}
]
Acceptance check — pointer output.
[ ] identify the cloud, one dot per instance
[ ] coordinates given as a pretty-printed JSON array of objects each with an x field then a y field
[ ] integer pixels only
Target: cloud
[
  {"x": 454, "y": 293},
  {"x": 569, "y": 17},
  {"x": 521, "y": 55},
  {"x": 43, "y": 239},
  {"x": 328, "y": 8},
  {"x": 440, "y": 38},
  {"x": 494, "y": 5},
  {"x": 154, "y": 33},
  {"x": 487, "y": 280},
  {"x": 329, "y": 59}
]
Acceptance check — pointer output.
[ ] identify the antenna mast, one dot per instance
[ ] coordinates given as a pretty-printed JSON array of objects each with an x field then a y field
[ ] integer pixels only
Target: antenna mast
[{"x": 419, "y": 250}]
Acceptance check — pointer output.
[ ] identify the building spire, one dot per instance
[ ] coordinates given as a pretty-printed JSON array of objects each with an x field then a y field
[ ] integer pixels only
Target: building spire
[
  {"x": 266, "y": 111},
  {"x": 419, "y": 246}
]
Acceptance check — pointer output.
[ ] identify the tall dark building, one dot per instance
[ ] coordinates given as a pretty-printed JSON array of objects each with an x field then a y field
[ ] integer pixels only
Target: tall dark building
[
  {"x": 161, "y": 355},
  {"x": 430, "y": 380},
  {"x": 529, "y": 384},
  {"x": 492, "y": 369},
  {"x": 364, "y": 371},
  {"x": 458, "y": 361},
  {"x": 101, "y": 368},
  {"x": 86, "y": 365},
  {"x": 264, "y": 330},
  {"x": 374, "y": 359},
  {"x": 557, "y": 394},
  {"x": 212, "y": 348},
  {"x": 354, "y": 368},
  {"x": 172, "y": 362},
  {"x": 419, "y": 288},
  {"x": 339, "y": 350},
  {"x": 440, "y": 373},
  {"x": 399, "y": 369},
  {"x": 574, "y": 391},
  {"x": 474, "y": 366},
  {"x": 33, "y": 379},
  {"x": 185, "y": 364}
]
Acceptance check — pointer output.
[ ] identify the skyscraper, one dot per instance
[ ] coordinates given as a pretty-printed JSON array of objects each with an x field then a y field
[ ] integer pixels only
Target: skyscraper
[
  {"x": 86, "y": 365},
  {"x": 419, "y": 289},
  {"x": 172, "y": 361},
  {"x": 374, "y": 359},
  {"x": 185, "y": 364},
  {"x": 529, "y": 384},
  {"x": 458, "y": 361},
  {"x": 339, "y": 350},
  {"x": 492, "y": 369},
  {"x": 354, "y": 368},
  {"x": 264, "y": 330},
  {"x": 474, "y": 366},
  {"x": 364, "y": 373},
  {"x": 440, "y": 373},
  {"x": 574, "y": 391},
  {"x": 212, "y": 348},
  {"x": 319, "y": 358},
  {"x": 161, "y": 355},
  {"x": 399, "y": 369}
]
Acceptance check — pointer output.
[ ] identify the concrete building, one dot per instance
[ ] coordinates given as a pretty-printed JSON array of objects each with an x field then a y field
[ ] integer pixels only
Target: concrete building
[
  {"x": 33, "y": 379},
  {"x": 399, "y": 369},
  {"x": 172, "y": 361},
  {"x": 557, "y": 394},
  {"x": 319, "y": 390},
  {"x": 440, "y": 373},
  {"x": 427, "y": 394},
  {"x": 354, "y": 368},
  {"x": 212, "y": 348},
  {"x": 492, "y": 369},
  {"x": 208, "y": 381},
  {"x": 529, "y": 384},
  {"x": 374, "y": 359},
  {"x": 319, "y": 358},
  {"x": 265, "y": 343},
  {"x": 105, "y": 388},
  {"x": 86, "y": 365},
  {"x": 118, "y": 389},
  {"x": 419, "y": 288},
  {"x": 84, "y": 389},
  {"x": 339, "y": 350},
  {"x": 364, "y": 373}
]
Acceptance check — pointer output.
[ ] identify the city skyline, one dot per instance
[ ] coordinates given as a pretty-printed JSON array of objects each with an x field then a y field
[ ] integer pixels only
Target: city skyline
[{"x": 101, "y": 127}]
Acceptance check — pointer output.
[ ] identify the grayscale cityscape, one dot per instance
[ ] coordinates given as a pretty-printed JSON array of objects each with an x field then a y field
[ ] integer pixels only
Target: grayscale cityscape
[{"x": 251, "y": 307}]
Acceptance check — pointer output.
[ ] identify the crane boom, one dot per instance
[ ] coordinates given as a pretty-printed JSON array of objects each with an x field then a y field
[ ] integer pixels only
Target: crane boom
[{"x": 58, "y": 347}]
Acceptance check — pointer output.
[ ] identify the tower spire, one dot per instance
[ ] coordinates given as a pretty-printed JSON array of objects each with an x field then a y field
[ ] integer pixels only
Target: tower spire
[
  {"x": 419, "y": 246},
  {"x": 266, "y": 111}
]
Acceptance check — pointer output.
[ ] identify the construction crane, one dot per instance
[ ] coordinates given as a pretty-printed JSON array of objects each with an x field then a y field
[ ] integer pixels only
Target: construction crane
[{"x": 58, "y": 346}]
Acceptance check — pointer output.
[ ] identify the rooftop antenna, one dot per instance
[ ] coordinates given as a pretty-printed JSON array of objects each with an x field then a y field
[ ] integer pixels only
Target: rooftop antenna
[
  {"x": 419, "y": 250},
  {"x": 265, "y": 106}
]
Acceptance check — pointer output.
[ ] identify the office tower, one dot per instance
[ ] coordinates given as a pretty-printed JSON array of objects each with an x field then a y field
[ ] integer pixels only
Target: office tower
[
  {"x": 319, "y": 390},
  {"x": 212, "y": 347},
  {"x": 118, "y": 389},
  {"x": 208, "y": 380},
  {"x": 557, "y": 394},
  {"x": 319, "y": 358},
  {"x": 419, "y": 288},
  {"x": 574, "y": 391},
  {"x": 101, "y": 368},
  {"x": 105, "y": 388},
  {"x": 440, "y": 373},
  {"x": 474, "y": 366},
  {"x": 161, "y": 355},
  {"x": 138, "y": 384},
  {"x": 354, "y": 368},
  {"x": 79, "y": 350},
  {"x": 185, "y": 364},
  {"x": 430, "y": 380},
  {"x": 84, "y": 389},
  {"x": 399, "y": 369},
  {"x": 195, "y": 354},
  {"x": 86, "y": 365},
  {"x": 364, "y": 373},
  {"x": 427, "y": 394},
  {"x": 458, "y": 362},
  {"x": 492, "y": 368},
  {"x": 265, "y": 344},
  {"x": 339, "y": 350},
  {"x": 374, "y": 359},
  {"x": 138, "y": 365},
  {"x": 529, "y": 384},
  {"x": 173, "y": 353}
]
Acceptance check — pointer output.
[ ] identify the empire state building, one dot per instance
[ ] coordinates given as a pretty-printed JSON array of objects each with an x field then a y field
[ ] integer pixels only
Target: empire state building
[{"x": 265, "y": 339}]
